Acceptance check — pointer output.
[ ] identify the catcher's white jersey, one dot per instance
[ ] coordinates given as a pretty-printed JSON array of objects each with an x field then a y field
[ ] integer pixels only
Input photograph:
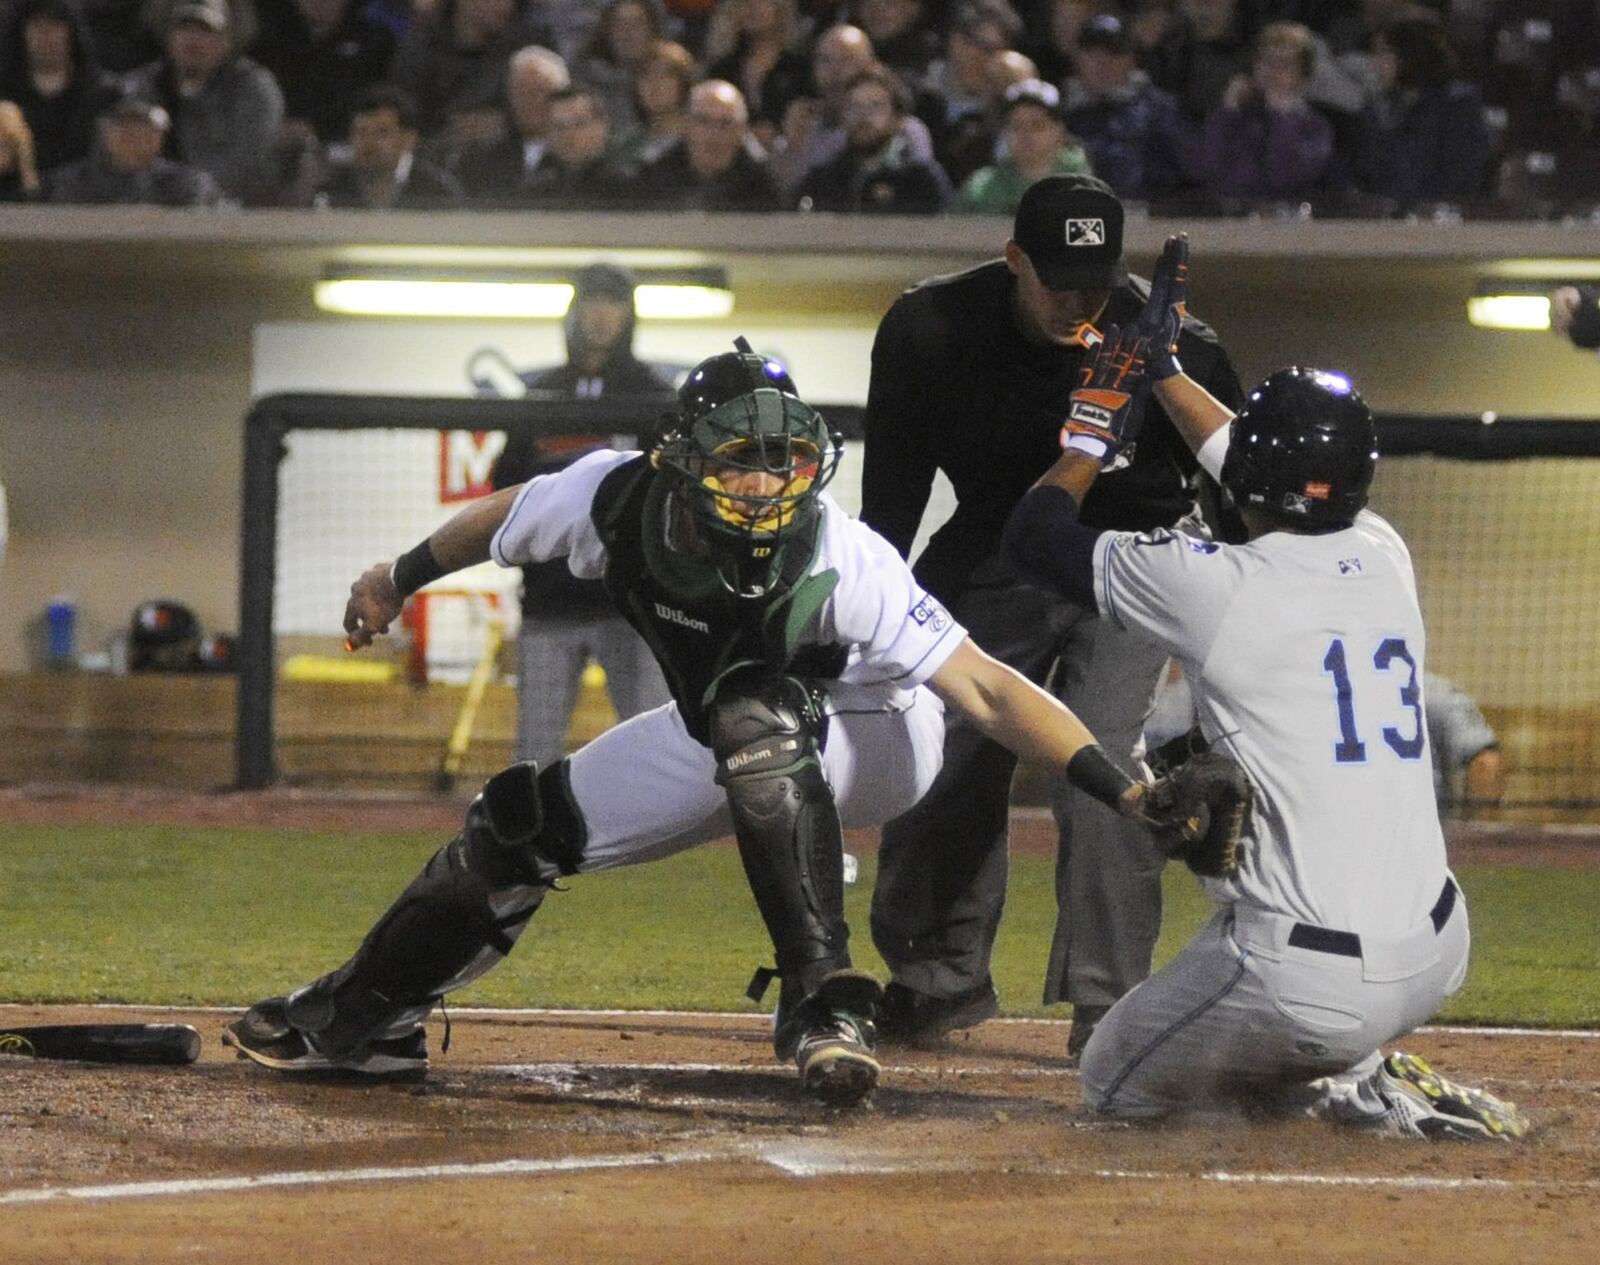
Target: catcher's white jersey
[
  {"x": 1305, "y": 656},
  {"x": 898, "y": 636}
]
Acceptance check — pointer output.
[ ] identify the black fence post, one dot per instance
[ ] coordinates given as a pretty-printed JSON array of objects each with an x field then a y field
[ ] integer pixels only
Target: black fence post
[{"x": 254, "y": 767}]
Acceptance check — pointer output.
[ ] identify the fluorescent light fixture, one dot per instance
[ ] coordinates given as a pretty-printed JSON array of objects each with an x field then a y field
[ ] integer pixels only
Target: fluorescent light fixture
[
  {"x": 682, "y": 302},
  {"x": 1509, "y": 311},
  {"x": 386, "y": 296},
  {"x": 662, "y": 295}
]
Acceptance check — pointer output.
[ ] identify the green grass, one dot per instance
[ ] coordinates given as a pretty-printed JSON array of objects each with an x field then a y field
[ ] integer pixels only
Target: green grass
[{"x": 198, "y": 916}]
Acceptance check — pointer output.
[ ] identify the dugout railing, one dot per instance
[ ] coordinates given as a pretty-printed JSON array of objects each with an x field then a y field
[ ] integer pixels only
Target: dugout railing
[{"x": 1454, "y": 439}]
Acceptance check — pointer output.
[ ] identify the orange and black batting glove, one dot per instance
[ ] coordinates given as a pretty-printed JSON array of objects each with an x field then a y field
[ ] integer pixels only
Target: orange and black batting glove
[
  {"x": 1161, "y": 320},
  {"x": 1105, "y": 411}
]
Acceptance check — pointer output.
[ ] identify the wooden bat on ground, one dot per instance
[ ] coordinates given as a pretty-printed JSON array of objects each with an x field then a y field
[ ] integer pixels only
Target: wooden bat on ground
[{"x": 172, "y": 1043}]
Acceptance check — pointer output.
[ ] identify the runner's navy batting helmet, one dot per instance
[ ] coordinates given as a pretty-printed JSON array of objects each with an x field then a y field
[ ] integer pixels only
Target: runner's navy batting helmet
[
  {"x": 1303, "y": 450},
  {"x": 739, "y": 414}
]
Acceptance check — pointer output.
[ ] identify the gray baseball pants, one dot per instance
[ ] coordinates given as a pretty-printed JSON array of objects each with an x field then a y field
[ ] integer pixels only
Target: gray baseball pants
[
  {"x": 1243, "y": 1016},
  {"x": 552, "y": 652}
]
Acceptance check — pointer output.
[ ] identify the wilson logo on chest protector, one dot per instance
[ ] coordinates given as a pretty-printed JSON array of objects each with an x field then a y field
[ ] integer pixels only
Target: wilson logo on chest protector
[{"x": 674, "y": 616}]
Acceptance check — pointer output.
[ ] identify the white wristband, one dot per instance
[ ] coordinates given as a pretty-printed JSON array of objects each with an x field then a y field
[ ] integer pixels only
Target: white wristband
[{"x": 1096, "y": 448}]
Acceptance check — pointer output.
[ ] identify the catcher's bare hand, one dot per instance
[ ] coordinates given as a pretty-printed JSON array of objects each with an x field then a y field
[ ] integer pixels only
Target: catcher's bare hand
[
  {"x": 1197, "y": 813},
  {"x": 374, "y": 603}
]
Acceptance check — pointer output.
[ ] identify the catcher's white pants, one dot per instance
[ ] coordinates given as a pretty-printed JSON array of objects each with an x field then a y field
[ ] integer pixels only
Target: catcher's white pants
[
  {"x": 645, "y": 787},
  {"x": 1240, "y": 1014}
]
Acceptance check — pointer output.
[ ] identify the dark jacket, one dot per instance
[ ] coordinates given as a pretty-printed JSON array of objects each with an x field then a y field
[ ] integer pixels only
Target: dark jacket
[
  {"x": 226, "y": 129},
  {"x": 550, "y": 588},
  {"x": 1136, "y": 138},
  {"x": 497, "y": 174},
  {"x": 1196, "y": 71},
  {"x": 670, "y": 184},
  {"x": 321, "y": 78},
  {"x": 63, "y": 126},
  {"x": 956, "y": 387},
  {"x": 1257, "y": 155},
  {"x": 426, "y": 188},
  {"x": 1426, "y": 146},
  {"x": 93, "y": 181},
  {"x": 891, "y": 183}
]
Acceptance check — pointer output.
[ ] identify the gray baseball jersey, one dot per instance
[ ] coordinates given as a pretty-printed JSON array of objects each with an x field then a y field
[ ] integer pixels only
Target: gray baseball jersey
[{"x": 1345, "y": 832}]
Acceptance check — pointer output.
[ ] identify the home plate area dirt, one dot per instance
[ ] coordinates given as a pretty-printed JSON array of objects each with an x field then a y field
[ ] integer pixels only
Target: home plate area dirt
[{"x": 602, "y": 1137}]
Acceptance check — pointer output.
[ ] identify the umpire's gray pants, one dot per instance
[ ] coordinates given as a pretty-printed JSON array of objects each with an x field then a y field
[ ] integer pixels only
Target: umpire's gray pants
[
  {"x": 942, "y": 867},
  {"x": 551, "y": 655}
]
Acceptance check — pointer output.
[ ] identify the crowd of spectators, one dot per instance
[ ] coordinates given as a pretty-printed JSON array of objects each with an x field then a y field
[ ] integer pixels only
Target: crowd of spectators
[{"x": 1277, "y": 107}]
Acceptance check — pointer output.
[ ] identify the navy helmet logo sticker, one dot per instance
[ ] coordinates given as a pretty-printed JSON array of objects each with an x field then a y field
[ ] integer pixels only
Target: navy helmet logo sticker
[
  {"x": 1349, "y": 566},
  {"x": 930, "y": 614},
  {"x": 1086, "y": 232},
  {"x": 1200, "y": 546}
]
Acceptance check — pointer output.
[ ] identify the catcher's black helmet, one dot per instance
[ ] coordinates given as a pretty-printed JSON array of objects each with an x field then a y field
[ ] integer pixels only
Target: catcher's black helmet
[
  {"x": 1303, "y": 450},
  {"x": 740, "y": 415}
]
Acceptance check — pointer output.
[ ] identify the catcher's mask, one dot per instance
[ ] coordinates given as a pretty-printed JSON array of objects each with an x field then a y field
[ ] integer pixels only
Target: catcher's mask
[
  {"x": 746, "y": 459},
  {"x": 1303, "y": 450}
]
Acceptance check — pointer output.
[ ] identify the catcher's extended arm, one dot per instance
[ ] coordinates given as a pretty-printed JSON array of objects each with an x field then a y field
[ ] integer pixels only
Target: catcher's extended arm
[{"x": 1197, "y": 813}]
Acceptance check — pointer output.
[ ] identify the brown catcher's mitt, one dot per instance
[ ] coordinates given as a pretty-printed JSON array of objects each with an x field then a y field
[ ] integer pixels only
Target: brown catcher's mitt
[{"x": 1197, "y": 813}]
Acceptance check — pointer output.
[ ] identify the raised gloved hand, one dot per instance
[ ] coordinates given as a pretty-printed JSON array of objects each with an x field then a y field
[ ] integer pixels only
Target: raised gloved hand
[
  {"x": 1161, "y": 319},
  {"x": 1106, "y": 410},
  {"x": 1197, "y": 813}
]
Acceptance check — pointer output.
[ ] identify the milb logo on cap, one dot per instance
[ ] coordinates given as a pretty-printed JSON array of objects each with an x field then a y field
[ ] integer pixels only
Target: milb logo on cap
[{"x": 1086, "y": 232}]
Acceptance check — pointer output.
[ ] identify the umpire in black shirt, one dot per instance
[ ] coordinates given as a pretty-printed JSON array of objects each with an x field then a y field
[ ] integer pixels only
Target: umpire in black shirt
[{"x": 970, "y": 375}]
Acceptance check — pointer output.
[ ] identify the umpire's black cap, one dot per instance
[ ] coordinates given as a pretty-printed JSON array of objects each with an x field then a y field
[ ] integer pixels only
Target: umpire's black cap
[{"x": 1070, "y": 227}]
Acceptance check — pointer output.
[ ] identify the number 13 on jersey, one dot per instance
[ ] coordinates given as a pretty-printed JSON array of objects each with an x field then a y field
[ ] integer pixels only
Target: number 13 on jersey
[{"x": 1389, "y": 656}]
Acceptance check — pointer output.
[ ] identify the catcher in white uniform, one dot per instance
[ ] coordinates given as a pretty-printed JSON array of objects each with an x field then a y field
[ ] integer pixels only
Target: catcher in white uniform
[
  {"x": 1340, "y": 928},
  {"x": 809, "y": 675}
]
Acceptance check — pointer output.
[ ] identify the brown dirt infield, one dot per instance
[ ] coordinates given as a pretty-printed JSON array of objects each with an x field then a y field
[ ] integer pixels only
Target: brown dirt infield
[{"x": 639, "y": 1137}]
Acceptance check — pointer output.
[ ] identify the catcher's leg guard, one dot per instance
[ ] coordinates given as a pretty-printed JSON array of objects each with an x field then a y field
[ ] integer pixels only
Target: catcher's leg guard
[
  {"x": 767, "y": 733},
  {"x": 458, "y": 918}
]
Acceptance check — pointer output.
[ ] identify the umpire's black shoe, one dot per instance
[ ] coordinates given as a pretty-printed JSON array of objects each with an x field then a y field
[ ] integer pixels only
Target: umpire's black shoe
[
  {"x": 1084, "y": 1019},
  {"x": 912, "y": 1018},
  {"x": 264, "y": 1035}
]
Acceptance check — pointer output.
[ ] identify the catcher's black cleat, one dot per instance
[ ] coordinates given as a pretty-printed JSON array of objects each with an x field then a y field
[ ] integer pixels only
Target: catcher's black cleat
[
  {"x": 1084, "y": 1019},
  {"x": 1423, "y": 1104},
  {"x": 912, "y": 1018},
  {"x": 836, "y": 1063},
  {"x": 835, "y": 1049},
  {"x": 264, "y": 1035}
]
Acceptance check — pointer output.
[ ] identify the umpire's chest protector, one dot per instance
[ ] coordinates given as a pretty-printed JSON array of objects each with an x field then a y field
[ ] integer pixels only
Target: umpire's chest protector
[{"x": 697, "y": 630}]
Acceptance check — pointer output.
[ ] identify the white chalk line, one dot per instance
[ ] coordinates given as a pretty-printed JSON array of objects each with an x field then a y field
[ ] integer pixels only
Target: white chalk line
[
  {"x": 541, "y": 1012},
  {"x": 330, "y": 1177},
  {"x": 789, "y": 1162}
]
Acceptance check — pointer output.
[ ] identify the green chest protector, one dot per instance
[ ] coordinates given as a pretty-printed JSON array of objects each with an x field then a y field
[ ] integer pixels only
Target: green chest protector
[{"x": 698, "y": 630}]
